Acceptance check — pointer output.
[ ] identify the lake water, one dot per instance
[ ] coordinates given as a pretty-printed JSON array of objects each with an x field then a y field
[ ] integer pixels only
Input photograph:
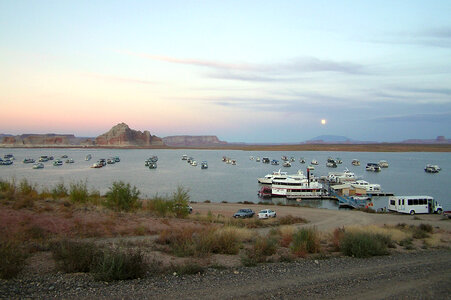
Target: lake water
[{"x": 232, "y": 183}]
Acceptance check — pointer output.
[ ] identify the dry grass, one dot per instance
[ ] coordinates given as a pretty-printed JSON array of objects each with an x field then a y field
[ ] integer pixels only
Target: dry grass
[{"x": 395, "y": 234}]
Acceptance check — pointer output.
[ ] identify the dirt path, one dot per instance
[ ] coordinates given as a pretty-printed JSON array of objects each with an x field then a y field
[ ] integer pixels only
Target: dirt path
[{"x": 328, "y": 219}]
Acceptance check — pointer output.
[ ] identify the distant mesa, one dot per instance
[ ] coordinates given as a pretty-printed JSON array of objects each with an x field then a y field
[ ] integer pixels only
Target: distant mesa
[
  {"x": 439, "y": 140},
  {"x": 192, "y": 141},
  {"x": 44, "y": 140},
  {"x": 121, "y": 135}
]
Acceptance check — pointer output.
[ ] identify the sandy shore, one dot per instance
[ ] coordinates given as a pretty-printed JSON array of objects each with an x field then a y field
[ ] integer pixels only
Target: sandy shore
[{"x": 328, "y": 219}]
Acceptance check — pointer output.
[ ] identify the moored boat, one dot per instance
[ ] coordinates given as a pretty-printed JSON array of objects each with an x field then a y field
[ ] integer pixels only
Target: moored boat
[
  {"x": 355, "y": 162},
  {"x": 287, "y": 164},
  {"x": 88, "y": 157},
  {"x": 274, "y": 162},
  {"x": 204, "y": 165},
  {"x": 373, "y": 167},
  {"x": 383, "y": 164},
  {"x": 57, "y": 162},
  {"x": 432, "y": 169},
  {"x": 39, "y": 165},
  {"x": 369, "y": 187},
  {"x": 314, "y": 162},
  {"x": 28, "y": 160}
]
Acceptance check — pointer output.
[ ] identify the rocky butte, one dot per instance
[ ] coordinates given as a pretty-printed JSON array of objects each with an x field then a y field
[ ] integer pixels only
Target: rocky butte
[
  {"x": 121, "y": 135},
  {"x": 192, "y": 141}
]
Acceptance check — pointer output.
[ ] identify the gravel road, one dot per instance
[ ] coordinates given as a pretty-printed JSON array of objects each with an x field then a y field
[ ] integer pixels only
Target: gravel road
[{"x": 419, "y": 275}]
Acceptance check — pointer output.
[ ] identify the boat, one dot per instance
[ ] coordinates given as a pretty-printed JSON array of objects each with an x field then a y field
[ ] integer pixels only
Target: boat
[
  {"x": 314, "y": 162},
  {"x": 194, "y": 163},
  {"x": 383, "y": 164},
  {"x": 6, "y": 162},
  {"x": 355, "y": 162},
  {"x": 97, "y": 165},
  {"x": 69, "y": 161},
  {"x": 28, "y": 160},
  {"x": 338, "y": 161},
  {"x": 43, "y": 158},
  {"x": 297, "y": 187},
  {"x": 284, "y": 158},
  {"x": 268, "y": 178},
  {"x": 257, "y": 159},
  {"x": 88, "y": 157},
  {"x": 64, "y": 156},
  {"x": 302, "y": 160},
  {"x": 224, "y": 159},
  {"x": 233, "y": 162},
  {"x": 279, "y": 175},
  {"x": 338, "y": 177},
  {"x": 311, "y": 167},
  {"x": 432, "y": 169},
  {"x": 204, "y": 165},
  {"x": 331, "y": 160},
  {"x": 110, "y": 161},
  {"x": 373, "y": 167},
  {"x": 331, "y": 164},
  {"x": 117, "y": 159},
  {"x": 251, "y": 157},
  {"x": 274, "y": 162},
  {"x": 58, "y": 163},
  {"x": 184, "y": 157},
  {"x": 190, "y": 160},
  {"x": 265, "y": 160},
  {"x": 102, "y": 161},
  {"x": 39, "y": 165},
  {"x": 154, "y": 159},
  {"x": 369, "y": 187},
  {"x": 9, "y": 156},
  {"x": 287, "y": 164},
  {"x": 153, "y": 165},
  {"x": 292, "y": 159}
]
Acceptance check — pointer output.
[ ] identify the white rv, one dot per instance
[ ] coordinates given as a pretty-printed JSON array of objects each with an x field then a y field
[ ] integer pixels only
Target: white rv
[{"x": 414, "y": 205}]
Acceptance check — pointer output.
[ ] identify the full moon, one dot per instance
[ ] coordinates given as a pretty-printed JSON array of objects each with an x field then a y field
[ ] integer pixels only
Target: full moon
[{"x": 323, "y": 121}]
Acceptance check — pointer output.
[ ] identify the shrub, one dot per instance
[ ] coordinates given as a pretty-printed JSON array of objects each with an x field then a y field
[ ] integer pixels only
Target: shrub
[
  {"x": 12, "y": 259},
  {"x": 122, "y": 197},
  {"x": 289, "y": 220},
  {"x": 261, "y": 249},
  {"x": 78, "y": 192},
  {"x": 305, "y": 240},
  {"x": 189, "y": 268},
  {"x": 425, "y": 227},
  {"x": 59, "y": 191},
  {"x": 27, "y": 189},
  {"x": 160, "y": 205},
  {"x": 361, "y": 244},
  {"x": 337, "y": 236},
  {"x": 117, "y": 265},
  {"x": 74, "y": 256}
]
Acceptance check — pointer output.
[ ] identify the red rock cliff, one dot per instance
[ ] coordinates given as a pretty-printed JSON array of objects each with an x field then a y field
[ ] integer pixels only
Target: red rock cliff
[{"x": 122, "y": 135}]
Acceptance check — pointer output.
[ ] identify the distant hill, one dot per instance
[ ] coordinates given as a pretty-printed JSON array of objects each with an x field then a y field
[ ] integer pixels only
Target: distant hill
[
  {"x": 192, "y": 141},
  {"x": 439, "y": 140},
  {"x": 330, "y": 139},
  {"x": 121, "y": 135}
]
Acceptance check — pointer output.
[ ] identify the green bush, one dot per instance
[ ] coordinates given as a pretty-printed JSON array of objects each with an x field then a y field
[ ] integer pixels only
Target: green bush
[
  {"x": 361, "y": 244},
  {"x": 181, "y": 199},
  {"x": 118, "y": 265},
  {"x": 261, "y": 249},
  {"x": 12, "y": 259},
  {"x": 188, "y": 268},
  {"x": 160, "y": 205},
  {"x": 79, "y": 192},
  {"x": 122, "y": 197},
  {"x": 74, "y": 256},
  {"x": 27, "y": 189},
  {"x": 305, "y": 240},
  {"x": 59, "y": 191}
]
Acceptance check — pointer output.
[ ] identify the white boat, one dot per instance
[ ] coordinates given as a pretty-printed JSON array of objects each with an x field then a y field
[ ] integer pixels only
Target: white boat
[
  {"x": 88, "y": 157},
  {"x": 269, "y": 178},
  {"x": 292, "y": 159},
  {"x": 302, "y": 160},
  {"x": 355, "y": 162},
  {"x": 338, "y": 160},
  {"x": 311, "y": 167},
  {"x": 257, "y": 159},
  {"x": 296, "y": 187},
  {"x": 204, "y": 165},
  {"x": 152, "y": 165},
  {"x": 373, "y": 167},
  {"x": 369, "y": 187},
  {"x": 338, "y": 177},
  {"x": 251, "y": 157},
  {"x": 432, "y": 169},
  {"x": 38, "y": 166},
  {"x": 265, "y": 160},
  {"x": 184, "y": 157},
  {"x": 274, "y": 162},
  {"x": 233, "y": 162},
  {"x": 383, "y": 164},
  {"x": 97, "y": 165},
  {"x": 58, "y": 162},
  {"x": 69, "y": 161},
  {"x": 314, "y": 162},
  {"x": 194, "y": 163},
  {"x": 28, "y": 160},
  {"x": 287, "y": 164},
  {"x": 331, "y": 164}
]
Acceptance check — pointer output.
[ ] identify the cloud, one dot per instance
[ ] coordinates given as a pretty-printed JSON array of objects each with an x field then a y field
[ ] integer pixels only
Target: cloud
[
  {"x": 432, "y": 37},
  {"x": 253, "y": 72},
  {"x": 426, "y": 117}
]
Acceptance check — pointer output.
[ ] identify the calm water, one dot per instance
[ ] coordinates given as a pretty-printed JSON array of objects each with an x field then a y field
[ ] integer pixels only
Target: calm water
[{"x": 223, "y": 182}]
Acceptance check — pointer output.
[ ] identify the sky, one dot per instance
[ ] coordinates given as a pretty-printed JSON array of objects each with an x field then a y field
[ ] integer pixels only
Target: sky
[{"x": 246, "y": 71}]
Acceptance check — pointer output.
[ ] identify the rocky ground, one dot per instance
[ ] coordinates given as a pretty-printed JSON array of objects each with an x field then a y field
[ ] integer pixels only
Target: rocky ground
[{"x": 416, "y": 275}]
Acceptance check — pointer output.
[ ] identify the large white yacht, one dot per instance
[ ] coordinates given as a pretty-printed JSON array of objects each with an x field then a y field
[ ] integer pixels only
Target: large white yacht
[
  {"x": 268, "y": 179},
  {"x": 296, "y": 187}
]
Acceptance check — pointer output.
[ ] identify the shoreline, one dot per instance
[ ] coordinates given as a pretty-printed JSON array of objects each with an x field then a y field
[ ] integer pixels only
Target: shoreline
[{"x": 383, "y": 147}]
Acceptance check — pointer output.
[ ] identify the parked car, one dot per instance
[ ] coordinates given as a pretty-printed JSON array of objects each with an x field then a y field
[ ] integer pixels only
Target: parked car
[
  {"x": 179, "y": 207},
  {"x": 266, "y": 213},
  {"x": 244, "y": 213}
]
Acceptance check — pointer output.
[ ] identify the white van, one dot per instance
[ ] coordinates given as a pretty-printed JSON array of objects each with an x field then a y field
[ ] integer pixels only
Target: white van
[{"x": 414, "y": 205}]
